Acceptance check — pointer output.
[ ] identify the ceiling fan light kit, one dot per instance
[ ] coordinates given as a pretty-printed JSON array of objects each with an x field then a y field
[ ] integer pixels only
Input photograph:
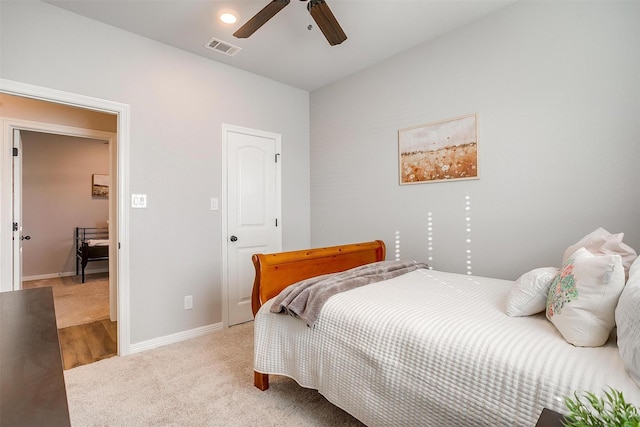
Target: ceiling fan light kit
[{"x": 318, "y": 9}]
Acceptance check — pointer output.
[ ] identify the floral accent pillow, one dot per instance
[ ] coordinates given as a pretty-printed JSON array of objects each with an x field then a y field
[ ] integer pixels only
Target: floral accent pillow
[
  {"x": 583, "y": 296},
  {"x": 528, "y": 294},
  {"x": 564, "y": 289},
  {"x": 628, "y": 322}
]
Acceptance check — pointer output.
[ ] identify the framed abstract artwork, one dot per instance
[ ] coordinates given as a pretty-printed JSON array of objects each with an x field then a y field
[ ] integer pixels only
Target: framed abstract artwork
[{"x": 446, "y": 150}]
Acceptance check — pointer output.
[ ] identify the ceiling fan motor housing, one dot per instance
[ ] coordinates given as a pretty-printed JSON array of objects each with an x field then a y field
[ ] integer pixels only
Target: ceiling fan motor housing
[{"x": 318, "y": 9}]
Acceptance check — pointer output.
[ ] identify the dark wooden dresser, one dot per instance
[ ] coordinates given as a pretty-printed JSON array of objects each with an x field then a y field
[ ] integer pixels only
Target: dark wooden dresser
[
  {"x": 550, "y": 418},
  {"x": 32, "y": 390}
]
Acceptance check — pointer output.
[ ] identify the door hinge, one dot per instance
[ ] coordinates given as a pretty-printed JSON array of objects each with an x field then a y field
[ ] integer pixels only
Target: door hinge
[
  {"x": 277, "y": 154},
  {"x": 15, "y": 226},
  {"x": 276, "y": 222},
  {"x": 15, "y": 151}
]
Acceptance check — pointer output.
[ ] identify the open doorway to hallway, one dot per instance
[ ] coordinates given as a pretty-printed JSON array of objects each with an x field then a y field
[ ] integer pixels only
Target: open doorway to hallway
[
  {"x": 58, "y": 196},
  {"x": 51, "y": 210}
]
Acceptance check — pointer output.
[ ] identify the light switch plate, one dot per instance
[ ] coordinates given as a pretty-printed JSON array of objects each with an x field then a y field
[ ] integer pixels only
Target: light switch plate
[
  {"x": 214, "y": 204},
  {"x": 138, "y": 200}
]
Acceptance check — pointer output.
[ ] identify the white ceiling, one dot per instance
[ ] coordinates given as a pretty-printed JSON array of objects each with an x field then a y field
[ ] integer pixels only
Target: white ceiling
[{"x": 284, "y": 49}]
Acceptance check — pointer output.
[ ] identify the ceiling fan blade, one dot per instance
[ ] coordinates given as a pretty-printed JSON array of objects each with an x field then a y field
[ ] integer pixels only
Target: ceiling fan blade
[
  {"x": 328, "y": 24},
  {"x": 260, "y": 18}
]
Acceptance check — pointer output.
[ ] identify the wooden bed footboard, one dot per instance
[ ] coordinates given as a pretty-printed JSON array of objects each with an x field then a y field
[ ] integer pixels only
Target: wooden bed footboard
[{"x": 274, "y": 272}]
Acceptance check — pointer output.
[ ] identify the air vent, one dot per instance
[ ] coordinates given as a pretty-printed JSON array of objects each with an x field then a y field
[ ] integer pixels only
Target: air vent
[{"x": 223, "y": 47}]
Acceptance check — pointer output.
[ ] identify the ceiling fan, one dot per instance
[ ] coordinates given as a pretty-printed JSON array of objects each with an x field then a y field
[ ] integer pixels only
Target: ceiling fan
[{"x": 318, "y": 9}]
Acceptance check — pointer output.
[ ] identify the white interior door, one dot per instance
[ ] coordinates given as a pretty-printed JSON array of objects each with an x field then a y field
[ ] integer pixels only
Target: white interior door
[
  {"x": 253, "y": 211},
  {"x": 17, "y": 210}
]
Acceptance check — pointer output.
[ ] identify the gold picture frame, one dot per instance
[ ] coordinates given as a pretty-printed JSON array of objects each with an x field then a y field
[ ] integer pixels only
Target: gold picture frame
[{"x": 446, "y": 150}]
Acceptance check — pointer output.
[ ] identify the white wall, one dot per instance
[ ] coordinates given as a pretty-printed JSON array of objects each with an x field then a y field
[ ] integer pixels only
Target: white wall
[
  {"x": 56, "y": 198},
  {"x": 556, "y": 88},
  {"x": 178, "y": 103}
]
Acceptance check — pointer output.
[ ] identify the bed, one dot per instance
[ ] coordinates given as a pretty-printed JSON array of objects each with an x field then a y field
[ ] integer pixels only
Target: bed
[
  {"x": 92, "y": 244},
  {"x": 427, "y": 348}
]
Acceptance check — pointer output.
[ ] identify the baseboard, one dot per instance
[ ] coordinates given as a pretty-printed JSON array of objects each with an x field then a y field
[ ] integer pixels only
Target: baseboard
[
  {"x": 173, "y": 338},
  {"x": 63, "y": 274}
]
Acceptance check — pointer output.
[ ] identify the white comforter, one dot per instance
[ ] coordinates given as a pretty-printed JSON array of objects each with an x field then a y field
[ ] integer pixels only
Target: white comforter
[
  {"x": 434, "y": 349},
  {"x": 98, "y": 242}
]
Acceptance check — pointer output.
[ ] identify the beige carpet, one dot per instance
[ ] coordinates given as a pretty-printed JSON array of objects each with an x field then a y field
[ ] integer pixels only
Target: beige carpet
[
  {"x": 205, "y": 381},
  {"x": 77, "y": 303}
]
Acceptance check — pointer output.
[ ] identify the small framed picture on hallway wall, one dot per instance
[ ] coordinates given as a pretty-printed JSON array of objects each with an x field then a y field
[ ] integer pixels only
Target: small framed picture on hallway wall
[{"x": 100, "y": 186}]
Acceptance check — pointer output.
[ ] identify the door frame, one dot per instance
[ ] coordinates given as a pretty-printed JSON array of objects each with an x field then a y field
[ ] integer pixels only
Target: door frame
[
  {"x": 226, "y": 128},
  {"x": 121, "y": 211},
  {"x": 15, "y": 134},
  {"x": 19, "y": 125}
]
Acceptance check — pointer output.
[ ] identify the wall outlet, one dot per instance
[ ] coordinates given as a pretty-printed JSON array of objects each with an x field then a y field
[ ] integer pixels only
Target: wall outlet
[{"x": 188, "y": 302}]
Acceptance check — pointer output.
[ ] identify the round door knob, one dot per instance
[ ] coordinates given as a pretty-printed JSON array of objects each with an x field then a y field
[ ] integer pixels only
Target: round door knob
[{"x": 233, "y": 239}]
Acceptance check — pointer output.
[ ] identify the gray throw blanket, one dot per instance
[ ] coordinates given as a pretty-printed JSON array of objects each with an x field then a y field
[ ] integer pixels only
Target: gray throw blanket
[{"x": 305, "y": 299}]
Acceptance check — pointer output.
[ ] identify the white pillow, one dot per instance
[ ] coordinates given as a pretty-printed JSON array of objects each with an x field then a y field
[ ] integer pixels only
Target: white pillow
[
  {"x": 628, "y": 323},
  {"x": 583, "y": 297},
  {"x": 528, "y": 295},
  {"x": 602, "y": 242}
]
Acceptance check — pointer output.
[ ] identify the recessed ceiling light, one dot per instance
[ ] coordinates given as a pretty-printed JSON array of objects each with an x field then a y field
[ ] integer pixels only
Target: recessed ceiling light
[{"x": 228, "y": 16}]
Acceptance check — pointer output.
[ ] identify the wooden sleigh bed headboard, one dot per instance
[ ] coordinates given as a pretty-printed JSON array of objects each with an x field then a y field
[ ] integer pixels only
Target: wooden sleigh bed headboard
[{"x": 274, "y": 272}]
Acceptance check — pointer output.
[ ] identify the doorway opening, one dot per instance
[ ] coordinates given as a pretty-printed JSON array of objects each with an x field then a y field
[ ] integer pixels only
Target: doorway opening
[
  {"x": 58, "y": 174},
  {"x": 57, "y": 113}
]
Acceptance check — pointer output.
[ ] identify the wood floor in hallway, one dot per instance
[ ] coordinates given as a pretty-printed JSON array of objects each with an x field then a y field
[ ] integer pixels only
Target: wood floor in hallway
[
  {"x": 85, "y": 331},
  {"x": 88, "y": 343}
]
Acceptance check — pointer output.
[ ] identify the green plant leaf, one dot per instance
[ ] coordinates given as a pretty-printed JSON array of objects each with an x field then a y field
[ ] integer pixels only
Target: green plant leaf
[{"x": 589, "y": 410}]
